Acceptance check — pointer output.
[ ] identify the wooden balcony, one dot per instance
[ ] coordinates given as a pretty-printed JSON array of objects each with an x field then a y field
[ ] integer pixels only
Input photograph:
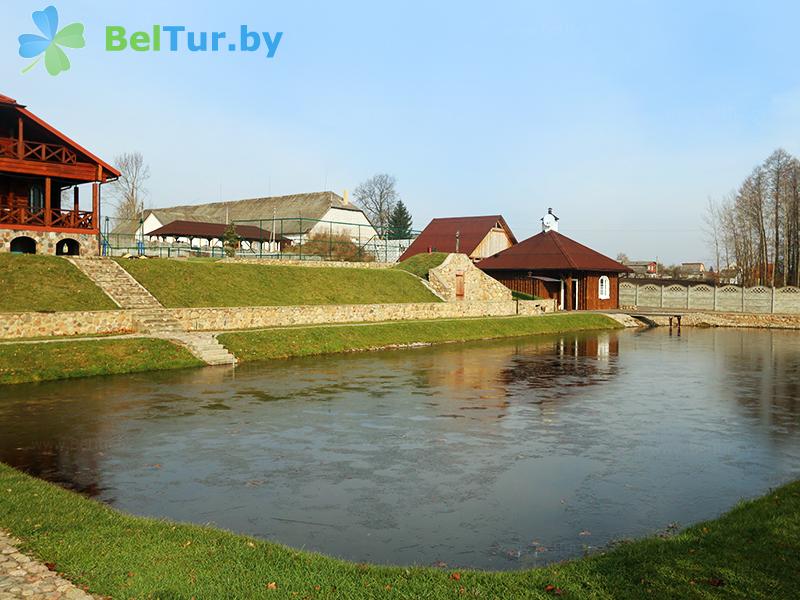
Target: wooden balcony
[
  {"x": 38, "y": 151},
  {"x": 38, "y": 218}
]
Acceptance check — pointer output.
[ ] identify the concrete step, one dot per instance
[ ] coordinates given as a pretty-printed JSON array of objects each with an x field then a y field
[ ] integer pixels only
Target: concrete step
[
  {"x": 204, "y": 346},
  {"x": 116, "y": 282}
]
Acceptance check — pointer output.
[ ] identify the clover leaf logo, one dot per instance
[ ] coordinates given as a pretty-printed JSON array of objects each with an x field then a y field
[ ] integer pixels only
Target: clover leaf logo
[{"x": 32, "y": 45}]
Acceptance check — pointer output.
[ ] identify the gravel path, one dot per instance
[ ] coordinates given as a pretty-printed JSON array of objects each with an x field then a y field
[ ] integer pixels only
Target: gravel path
[{"x": 22, "y": 577}]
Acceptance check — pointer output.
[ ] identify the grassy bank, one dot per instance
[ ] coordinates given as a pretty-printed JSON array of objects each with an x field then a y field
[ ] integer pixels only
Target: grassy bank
[
  {"x": 33, "y": 282},
  {"x": 204, "y": 283},
  {"x": 751, "y": 552},
  {"x": 305, "y": 341},
  {"x": 420, "y": 264},
  {"x": 62, "y": 360}
]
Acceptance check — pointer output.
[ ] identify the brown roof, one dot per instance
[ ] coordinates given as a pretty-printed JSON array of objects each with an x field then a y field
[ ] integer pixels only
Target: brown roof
[
  {"x": 440, "y": 234},
  {"x": 110, "y": 172},
  {"x": 551, "y": 251},
  {"x": 212, "y": 231}
]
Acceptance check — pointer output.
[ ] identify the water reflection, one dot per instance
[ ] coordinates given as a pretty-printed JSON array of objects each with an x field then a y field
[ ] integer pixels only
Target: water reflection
[{"x": 495, "y": 454}]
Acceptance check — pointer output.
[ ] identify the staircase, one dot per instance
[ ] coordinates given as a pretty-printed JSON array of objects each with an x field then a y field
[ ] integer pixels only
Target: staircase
[
  {"x": 150, "y": 316},
  {"x": 115, "y": 281},
  {"x": 204, "y": 346}
]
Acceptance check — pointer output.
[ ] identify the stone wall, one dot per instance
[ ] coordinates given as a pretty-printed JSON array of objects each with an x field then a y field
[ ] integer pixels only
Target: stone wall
[
  {"x": 256, "y": 317},
  {"x": 718, "y": 319},
  {"x": 478, "y": 286},
  {"x": 41, "y": 324},
  {"x": 46, "y": 240},
  {"x": 727, "y": 298},
  {"x": 336, "y": 264}
]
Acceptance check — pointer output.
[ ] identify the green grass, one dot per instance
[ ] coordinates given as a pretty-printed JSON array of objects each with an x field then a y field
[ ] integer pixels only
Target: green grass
[
  {"x": 202, "y": 283},
  {"x": 523, "y": 296},
  {"x": 420, "y": 264},
  {"x": 752, "y": 552},
  {"x": 46, "y": 283},
  {"x": 304, "y": 341},
  {"x": 61, "y": 360}
]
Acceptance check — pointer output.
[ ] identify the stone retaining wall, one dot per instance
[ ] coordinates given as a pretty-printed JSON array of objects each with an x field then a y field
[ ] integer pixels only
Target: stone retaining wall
[
  {"x": 46, "y": 240},
  {"x": 718, "y": 319},
  {"x": 41, "y": 324},
  {"x": 256, "y": 317},
  {"x": 478, "y": 286},
  {"x": 335, "y": 264}
]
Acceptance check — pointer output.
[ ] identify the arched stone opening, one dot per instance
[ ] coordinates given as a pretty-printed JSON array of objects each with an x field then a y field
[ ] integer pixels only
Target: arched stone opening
[
  {"x": 23, "y": 245},
  {"x": 68, "y": 247}
]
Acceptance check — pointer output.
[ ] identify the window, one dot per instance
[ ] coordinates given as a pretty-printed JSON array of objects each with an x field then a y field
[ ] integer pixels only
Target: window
[
  {"x": 604, "y": 293},
  {"x": 36, "y": 197}
]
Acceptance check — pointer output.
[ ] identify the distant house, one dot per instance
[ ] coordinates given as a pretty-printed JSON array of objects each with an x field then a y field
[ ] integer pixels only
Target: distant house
[
  {"x": 692, "y": 270},
  {"x": 642, "y": 268},
  {"x": 42, "y": 172},
  {"x": 551, "y": 265},
  {"x": 291, "y": 217},
  {"x": 477, "y": 237}
]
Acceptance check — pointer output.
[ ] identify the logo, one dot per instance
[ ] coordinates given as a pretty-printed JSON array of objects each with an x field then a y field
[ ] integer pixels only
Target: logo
[{"x": 50, "y": 42}]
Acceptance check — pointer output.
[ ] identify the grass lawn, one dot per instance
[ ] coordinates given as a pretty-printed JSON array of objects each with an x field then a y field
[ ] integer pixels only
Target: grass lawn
[
  {"x": 752, "y": 552},
  {"x": 303, "y": 341},
  {"x": 420, "y": 264},
  {"x": 204, "y": 283},
  {"x": 60, "y": 360},
  {"x": 33, "y": 282}
]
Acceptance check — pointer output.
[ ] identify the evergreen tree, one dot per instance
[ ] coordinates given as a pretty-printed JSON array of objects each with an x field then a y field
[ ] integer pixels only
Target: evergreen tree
[
  {"x": 230, "y": 240},
  {"x": 400, "y": 223}
]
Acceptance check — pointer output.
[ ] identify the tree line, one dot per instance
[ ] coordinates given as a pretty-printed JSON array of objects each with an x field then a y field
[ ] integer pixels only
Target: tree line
[{"x": 756, "y": 228}]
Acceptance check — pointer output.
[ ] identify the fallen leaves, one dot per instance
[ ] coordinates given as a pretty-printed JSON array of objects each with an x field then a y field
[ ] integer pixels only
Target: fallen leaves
[
  {"x": 272, "y": 585},
  {"x": 455, "y": 576},
  {"x": 551, "y": 589}
]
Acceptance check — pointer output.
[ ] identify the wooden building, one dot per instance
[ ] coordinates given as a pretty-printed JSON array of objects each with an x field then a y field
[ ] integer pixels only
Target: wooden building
[
  {"x": 477, "y": 237},
  {"x": 39, "y": 167},
  {"x": 551, "y": 265}
]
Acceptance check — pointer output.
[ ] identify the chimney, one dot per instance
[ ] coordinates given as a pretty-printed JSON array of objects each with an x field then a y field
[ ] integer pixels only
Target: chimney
[{"x": 346, "y": 197}]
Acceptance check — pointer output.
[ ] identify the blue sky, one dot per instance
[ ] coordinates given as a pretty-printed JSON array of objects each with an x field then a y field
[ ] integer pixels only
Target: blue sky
[{"x": 625, "y": 117}]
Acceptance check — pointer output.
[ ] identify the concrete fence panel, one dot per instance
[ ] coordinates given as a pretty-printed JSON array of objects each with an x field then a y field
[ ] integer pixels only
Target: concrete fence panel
[
  {"x": 675, "y": 296},
  {"x": 730, "y": 299},
  {"x": 787, "y": 301},
  {"x": 701, "y": 297},
  {"x": 649, "y": 295},
  {"x": 758, "y": 300},
  {"x": 627, "y": 293}
]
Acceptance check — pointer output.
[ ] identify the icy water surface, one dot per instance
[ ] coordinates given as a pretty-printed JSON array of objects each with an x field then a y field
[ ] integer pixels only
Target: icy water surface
[{"x": 494, "y": 455}]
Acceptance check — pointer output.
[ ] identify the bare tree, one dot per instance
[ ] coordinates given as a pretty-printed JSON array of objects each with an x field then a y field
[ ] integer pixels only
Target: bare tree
[
  {"x": 377, "y": 197},
  {"x": 128, "y": 192}
]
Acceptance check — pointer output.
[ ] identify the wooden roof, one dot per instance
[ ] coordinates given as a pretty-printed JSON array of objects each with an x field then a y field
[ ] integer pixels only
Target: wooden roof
[
  {"x": 551, "y": 251},
  {"x": 106, "y": 170},
  {"x": 440, "y": 234},
  {"x": 212, "y": 231}
]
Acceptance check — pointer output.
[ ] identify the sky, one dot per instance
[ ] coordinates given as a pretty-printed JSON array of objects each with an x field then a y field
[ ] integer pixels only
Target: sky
[{"x": 624, "y": 117}]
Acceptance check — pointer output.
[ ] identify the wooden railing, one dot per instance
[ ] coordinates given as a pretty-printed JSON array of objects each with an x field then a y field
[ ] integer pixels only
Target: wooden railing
[
  {"x": 59, "y": 218},
  {"x": 10, "y": 148}
]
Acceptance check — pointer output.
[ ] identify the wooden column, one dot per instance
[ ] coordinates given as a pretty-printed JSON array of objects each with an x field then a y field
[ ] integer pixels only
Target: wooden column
[
  {"x": 20, "y": 140},
  {"x": 95, "y": 206},
  {"x": 568, "y": 293},
  {"x": 77, "y": 200},
  {"x": 48, "y": 213}
]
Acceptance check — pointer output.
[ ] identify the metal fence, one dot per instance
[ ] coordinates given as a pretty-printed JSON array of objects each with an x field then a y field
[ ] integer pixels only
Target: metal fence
[
  {"x": 296, "y": 238},
  {"x": 727, "y": 298}
]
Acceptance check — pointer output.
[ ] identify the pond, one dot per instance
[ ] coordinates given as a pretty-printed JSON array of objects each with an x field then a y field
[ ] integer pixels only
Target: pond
[{"x": 499, "y": 455}]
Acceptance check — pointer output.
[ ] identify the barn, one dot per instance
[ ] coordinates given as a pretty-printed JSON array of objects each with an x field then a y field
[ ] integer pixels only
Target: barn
[
  {"x": 477, "y": 237},
  {"x": 551, "y": 265}
]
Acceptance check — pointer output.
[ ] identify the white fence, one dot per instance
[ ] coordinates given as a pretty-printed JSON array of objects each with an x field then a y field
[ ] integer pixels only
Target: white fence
[{"x": 728, "y": 298}]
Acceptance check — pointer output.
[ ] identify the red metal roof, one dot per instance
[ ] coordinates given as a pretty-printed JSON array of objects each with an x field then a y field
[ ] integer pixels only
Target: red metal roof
[
  {"x": 202, "y": 230},
  {"x": 551, "y": 251},
  {"x": 6, "y": 100},
  {"x": 440, "y": 234}
]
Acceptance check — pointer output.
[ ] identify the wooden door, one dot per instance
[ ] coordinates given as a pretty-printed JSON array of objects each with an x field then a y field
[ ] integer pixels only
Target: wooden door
[{"x": 459, "y": 286}]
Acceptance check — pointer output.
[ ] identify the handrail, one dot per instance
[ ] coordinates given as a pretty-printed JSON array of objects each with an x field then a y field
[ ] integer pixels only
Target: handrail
[
  {"x": 59, "y": 218},
  {"x": 39, "y": 151}
]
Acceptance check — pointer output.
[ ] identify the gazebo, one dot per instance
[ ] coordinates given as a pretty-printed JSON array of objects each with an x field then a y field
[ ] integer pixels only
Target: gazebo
[{"x": 213, "y": 233}]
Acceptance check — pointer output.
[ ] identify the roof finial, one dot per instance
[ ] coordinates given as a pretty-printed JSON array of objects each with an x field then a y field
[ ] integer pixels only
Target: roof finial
[{"x": 549, "y": 221}]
